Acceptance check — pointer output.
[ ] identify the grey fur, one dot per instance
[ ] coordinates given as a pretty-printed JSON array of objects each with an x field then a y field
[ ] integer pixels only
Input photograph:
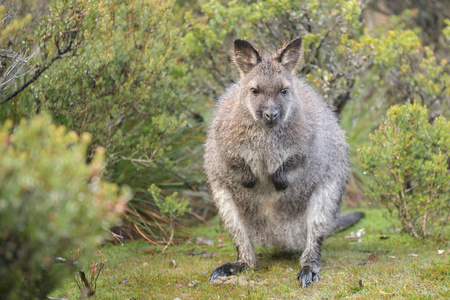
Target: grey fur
[
  {"x": 276, "y": 163},
  {"x": 347, "y": 220}
]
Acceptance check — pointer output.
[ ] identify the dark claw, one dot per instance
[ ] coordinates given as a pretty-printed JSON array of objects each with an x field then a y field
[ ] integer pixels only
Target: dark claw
[
  {"x": 248, "y": 179},
  {"x": 249, "y": 183},
  {"x": 227, "y": 269},
  {"x": 306, "y": 277}
]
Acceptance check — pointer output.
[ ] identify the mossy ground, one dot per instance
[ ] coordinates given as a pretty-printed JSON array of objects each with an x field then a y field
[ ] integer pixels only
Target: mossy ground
[{"x": 406, "y": 268}]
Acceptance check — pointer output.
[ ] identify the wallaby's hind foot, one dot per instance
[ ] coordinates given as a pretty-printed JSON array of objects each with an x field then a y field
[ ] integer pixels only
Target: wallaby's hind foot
[
  {"x": 307, "y": 276},
  {"x": 228, "y": 269}
]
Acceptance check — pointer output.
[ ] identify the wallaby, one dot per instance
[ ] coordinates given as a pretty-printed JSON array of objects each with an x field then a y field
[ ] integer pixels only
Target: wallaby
[{"x": 276, "y": 161}]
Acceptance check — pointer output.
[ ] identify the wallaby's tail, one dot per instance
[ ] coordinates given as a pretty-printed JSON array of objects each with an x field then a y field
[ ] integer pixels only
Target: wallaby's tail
[{"x": 347, "y": 220}]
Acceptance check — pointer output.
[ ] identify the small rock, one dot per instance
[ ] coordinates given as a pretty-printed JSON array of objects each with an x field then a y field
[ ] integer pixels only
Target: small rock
[
  {"x": 125, "y": 281},
  {"x": 192, "y": 284},
  {"x": 173, "y": 263},
  {"x": 202, "y": 241},
  {"x": 177, "y": 299},
  {"x": 195, "y": 252},
  {"x": 206, "y": 255},
  {"x": 441, "y": 252}
]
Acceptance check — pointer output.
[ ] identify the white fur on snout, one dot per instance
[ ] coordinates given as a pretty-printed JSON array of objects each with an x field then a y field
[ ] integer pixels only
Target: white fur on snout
[
  {"x": 286, "y": 114},
  {"x": 252, "y": 112}
]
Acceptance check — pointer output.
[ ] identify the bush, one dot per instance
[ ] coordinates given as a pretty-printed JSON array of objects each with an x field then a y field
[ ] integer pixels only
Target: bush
[
  {"x": 407, "y": 164},
  {"x": 123, "y": 82},
  {"x": 51, "y": 203}
]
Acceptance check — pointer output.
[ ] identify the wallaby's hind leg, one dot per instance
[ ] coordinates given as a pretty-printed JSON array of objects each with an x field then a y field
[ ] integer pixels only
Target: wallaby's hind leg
[
  {"x": 322, "y": 210},
  {"x": 310, "y": 262},
  {"x": 233, "y": 222}
]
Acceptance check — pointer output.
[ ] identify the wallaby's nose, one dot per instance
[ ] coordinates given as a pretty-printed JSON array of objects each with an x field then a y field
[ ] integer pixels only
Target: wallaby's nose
[{"x": 272, "y": 116}]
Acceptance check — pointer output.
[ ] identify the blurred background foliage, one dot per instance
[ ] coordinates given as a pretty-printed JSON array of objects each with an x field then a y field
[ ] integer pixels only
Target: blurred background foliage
[
  {"x": 52, "y": 205},
  {"x": 141, "y": 76}
]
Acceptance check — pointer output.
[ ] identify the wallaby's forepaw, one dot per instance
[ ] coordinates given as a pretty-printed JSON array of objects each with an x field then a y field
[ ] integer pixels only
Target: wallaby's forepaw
[
  {"x": 249, "y": 182},
  {"x": 280, "y": 181},
  {"x": 228, "y": 269},
  {"x": 248, "y": 179},
  {"x": 307, "y": 276}
]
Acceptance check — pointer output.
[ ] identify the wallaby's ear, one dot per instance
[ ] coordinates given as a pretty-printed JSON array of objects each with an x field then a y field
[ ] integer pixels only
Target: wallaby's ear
[
  {"x": 246, "y": 57},
  {"x": 289, "y": 56}
]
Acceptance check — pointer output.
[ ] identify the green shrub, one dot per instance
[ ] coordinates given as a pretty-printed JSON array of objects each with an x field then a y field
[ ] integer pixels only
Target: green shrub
[
  {"x": 171, "y": 207},
  {"x": 407, "y": 165},
  {"x": 51, "y": 203},
  {"x": 124, "y": 84}
]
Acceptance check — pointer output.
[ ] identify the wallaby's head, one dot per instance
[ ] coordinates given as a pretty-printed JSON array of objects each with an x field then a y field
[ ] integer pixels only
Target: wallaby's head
[{"x": 266, "y": 85}]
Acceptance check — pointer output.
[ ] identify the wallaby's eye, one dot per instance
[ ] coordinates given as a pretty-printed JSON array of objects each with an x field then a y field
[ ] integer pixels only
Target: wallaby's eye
[
  {"x": 284, "y": 91},
  {"x": 254, "y": 91}
]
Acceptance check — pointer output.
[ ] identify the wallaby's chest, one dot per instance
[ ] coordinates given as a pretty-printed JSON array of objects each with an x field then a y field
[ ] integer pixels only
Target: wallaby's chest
[{"x": 264, "y": 157}]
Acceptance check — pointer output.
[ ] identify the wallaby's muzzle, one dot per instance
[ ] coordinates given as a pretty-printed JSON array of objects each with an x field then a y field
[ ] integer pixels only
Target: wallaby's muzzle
[{"x": 271, "y": 117}]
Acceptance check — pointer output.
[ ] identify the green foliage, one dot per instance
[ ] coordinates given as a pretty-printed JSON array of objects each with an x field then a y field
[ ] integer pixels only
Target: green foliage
[
  {"x": 333, "y": 53},
  {"x": 9, "y": 25},
  {"x": 51, "y": 203},
  {"x": 407, "y": 168},
  {"x": 412, "y": 73},
  {"x": 446, "y": 30},
  {"x": 169, "y": 206},
  {"x": 126, "y": 85}
]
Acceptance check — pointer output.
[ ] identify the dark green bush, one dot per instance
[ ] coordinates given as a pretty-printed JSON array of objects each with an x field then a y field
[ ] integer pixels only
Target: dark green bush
[
  {"x": 407, "y": 165},
  {"x": 51, "y": 203}
]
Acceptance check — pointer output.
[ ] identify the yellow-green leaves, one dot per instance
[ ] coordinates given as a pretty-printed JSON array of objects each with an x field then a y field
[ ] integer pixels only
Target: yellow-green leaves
[
  {"x": 170, "y": 206},
  {"x": 407, "y": 168},
  {"x": 51, "y": 203}
]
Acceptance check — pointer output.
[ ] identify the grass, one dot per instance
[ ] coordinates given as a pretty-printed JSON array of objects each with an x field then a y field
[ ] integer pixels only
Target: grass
[{"x": 405, "y": 269}]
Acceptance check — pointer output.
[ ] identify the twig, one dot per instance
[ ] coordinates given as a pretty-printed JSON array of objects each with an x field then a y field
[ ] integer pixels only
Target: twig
[
  {"x": 170, "y": 239},
  {"x": 38, "y": 73},
  {"x": 145, "y": 237},
  {"x": 95, "y": 274},
  {"x": 15, "y": 67},
  {"x": 118, "y": 237}
]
